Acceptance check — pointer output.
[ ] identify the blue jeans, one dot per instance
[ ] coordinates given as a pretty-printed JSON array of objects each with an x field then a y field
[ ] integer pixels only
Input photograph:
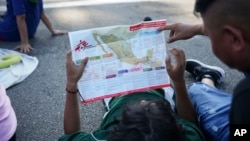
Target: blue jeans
[{"x": 212, "y": 107}]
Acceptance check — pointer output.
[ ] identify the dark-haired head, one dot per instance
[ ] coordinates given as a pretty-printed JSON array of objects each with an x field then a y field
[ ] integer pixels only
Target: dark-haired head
[
  {"x": 216, "y": 13},
  {"x": 201, "y": 6},
  {"x": 227, "y": 23},
  {"x": 147, "y": 121}
]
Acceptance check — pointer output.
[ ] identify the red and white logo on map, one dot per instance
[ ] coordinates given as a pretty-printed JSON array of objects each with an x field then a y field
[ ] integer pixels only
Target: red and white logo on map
[{"x": 81, "y": 45}]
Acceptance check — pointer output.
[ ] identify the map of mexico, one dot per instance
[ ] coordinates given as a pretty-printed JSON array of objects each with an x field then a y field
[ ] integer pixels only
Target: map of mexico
[{"x": 122, "y": 59}]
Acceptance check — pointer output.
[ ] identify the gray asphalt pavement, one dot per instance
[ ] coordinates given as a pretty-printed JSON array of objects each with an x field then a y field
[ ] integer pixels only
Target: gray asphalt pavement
[{"x": 39, "y": 99}]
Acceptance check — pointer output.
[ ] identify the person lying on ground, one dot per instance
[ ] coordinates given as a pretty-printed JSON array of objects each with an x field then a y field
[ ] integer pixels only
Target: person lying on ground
[{"x": 140, "y": 116}]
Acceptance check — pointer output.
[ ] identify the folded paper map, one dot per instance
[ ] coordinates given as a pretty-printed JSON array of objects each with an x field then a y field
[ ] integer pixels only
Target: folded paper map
[{"x": 122, "y": 59}]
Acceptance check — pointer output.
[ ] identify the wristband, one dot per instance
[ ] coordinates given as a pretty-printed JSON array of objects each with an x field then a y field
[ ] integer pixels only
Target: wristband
[{"x": 71, "y": 92}]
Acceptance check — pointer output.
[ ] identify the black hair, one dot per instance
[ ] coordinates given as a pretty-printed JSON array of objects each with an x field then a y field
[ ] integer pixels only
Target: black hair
[
  {"x": 201, "y": 6},
  {"x": 234, "y": 12},
  {"x": 151, "y": 121}
]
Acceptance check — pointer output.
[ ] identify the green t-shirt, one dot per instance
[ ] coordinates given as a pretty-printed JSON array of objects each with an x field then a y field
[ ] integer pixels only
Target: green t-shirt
[{"x": 192, "y": 133}]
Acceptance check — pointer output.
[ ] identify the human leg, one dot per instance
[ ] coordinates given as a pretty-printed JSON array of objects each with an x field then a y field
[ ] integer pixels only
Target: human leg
[
  {"x": 1, "y": 36},
  {"x": 8, "y": 34},
  {"x": 212, "y": 105}
]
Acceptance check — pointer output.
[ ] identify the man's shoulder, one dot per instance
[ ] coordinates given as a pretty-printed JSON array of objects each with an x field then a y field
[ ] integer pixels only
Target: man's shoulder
[
  {"x": 244, "y": 80},
  {"x": 240, "y": 109},
  {"x": 242, "y": 88}
]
